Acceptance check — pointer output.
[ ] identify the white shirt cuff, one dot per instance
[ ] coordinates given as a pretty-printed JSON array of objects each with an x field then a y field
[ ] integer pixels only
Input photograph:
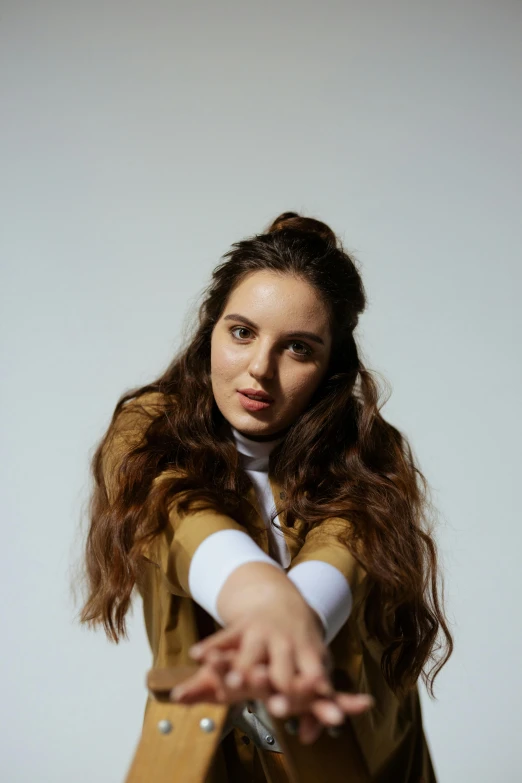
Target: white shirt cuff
[
  {"x": 213, "y": 562},
  {"x": 326, "y": 590}
]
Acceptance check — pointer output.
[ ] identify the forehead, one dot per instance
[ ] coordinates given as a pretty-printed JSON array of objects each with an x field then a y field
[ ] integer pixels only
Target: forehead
[{"x": 284, "y": 300}]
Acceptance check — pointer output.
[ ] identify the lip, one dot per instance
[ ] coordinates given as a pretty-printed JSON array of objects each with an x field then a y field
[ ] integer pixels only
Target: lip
[
  {"x": 253, "y": 405},
  {"x": 258, "y": 393}
]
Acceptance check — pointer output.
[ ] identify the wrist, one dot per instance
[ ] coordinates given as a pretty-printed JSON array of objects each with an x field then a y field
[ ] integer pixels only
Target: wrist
[
  {"x": 318, "y": 620},
  {"x": 254, "y": 586}
]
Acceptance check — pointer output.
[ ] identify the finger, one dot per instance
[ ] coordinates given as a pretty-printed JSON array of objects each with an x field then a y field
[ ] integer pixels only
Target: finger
[
  {"x": 328, "y": 712},
  {"x": 282, "y": 666},
  {"x": 331, "y": 711},
  {"x": 206, "y": 681},
  {"x": 309, "y": 728},
  {"x": 224, "y": 638},
  {"x": 256, "y": 685},
  {"x": 202, "y": 686},
  {"x": 354, "y": 703},
  {"x": 294, "y": 702},
  {"x": 258, "y": 681},
  {"x": 224, "y": 644},
  {"x": 220, "y": 657},
  {"x": 221, "y": 662},
  {"x": 252, "y": 651},
  {"x": 314, "y": 669},
  {"x": 298, "y": 698},
  {"x": 256, "y": 676}
]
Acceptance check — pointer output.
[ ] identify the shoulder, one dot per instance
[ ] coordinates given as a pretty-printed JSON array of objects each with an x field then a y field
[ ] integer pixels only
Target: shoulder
[
  {"x": 149, "y": 402},
  {"x": 137, "y": 413},
  {"x": 127, "y": 432},
  {"x": 130, "y": 423}
]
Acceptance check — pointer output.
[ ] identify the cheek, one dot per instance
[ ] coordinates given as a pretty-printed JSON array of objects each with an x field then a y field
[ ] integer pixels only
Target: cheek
[
  {"x": 224, "y": 361},
  {"x": 301, "y": 385}
]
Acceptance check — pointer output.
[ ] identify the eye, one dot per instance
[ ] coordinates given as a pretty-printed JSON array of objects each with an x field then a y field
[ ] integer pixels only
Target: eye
[
  {"x": 244, "y": 329},
  {"x": 306, "y": 352}
]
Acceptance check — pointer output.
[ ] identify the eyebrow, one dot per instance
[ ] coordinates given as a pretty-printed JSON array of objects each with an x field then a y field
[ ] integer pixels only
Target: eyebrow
[{"x": 310, "y": 335}]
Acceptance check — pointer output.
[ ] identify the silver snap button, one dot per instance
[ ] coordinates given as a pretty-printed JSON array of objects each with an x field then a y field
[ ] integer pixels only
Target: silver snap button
[
  {"x": 165, "y": 726},
  {"x": 269, "y": 739},
  {"x": 207, "y": 724}
]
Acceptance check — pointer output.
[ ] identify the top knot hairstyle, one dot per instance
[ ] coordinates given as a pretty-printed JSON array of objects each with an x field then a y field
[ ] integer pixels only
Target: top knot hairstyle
[
  {"x": 298, "y": 223},
  {"x": 340, "y": 458}
]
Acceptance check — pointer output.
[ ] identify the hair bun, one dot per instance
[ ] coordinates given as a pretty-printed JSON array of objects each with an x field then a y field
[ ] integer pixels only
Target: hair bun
[{"x": 299, "y": 223}]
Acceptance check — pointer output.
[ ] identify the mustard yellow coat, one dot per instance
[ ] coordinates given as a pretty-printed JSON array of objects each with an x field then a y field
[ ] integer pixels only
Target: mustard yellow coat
[{"x": 390, "y": 735}]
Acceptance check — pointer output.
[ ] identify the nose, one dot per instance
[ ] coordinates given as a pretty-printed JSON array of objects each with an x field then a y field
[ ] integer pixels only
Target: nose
[{"x": 262, "y": 362}]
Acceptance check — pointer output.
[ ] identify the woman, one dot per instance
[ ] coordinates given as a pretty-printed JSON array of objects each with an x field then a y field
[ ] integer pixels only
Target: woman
[{"x": 296, "y": 521}]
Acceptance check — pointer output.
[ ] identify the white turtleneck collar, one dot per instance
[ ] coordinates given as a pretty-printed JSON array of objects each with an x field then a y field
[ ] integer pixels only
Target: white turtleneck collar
[{"x": 254, "y": 454}]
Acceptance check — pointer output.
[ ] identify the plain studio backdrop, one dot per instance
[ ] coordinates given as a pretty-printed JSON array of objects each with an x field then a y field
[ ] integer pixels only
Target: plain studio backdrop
[{"x": 139, "y": 140}]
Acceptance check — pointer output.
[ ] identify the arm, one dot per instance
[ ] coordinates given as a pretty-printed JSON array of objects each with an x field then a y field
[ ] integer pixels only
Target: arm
[
  {"x": 265, "y": 621},
  {"x": 215, "y": 585},
  {"x": 324, "y": 572},
  {"x": 327, "y": 591},
  {"x": 327, "y": 574}
]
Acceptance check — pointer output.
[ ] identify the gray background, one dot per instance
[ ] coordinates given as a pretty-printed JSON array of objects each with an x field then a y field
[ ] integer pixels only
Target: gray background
[{"x": 138, "y": 141}]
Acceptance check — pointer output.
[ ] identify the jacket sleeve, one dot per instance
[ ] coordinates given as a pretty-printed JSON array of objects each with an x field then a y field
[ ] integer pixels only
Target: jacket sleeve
[
  {"x": 326, "y": 590},
  {"x": 214, "y": 561},
  {"x": 327, "y": 574},
  {"x": 195, "y": 531},
  {"x": 174, "y": 547},
  {"x": 321, "y": 543}
]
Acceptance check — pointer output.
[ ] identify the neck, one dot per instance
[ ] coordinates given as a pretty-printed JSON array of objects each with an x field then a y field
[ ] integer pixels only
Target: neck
[{"x": 255, "y": 452}]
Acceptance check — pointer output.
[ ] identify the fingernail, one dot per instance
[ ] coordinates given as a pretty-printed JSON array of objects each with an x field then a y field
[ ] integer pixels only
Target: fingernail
[
  {"x": 334, "y": 713},
  {"x": 176, "y": 693},
  {"x": 195, "y": 651},
  {"x": 278, "y": 705},
  {"x": 233, "y": 679},
  {"x": 366, "y": 699}
]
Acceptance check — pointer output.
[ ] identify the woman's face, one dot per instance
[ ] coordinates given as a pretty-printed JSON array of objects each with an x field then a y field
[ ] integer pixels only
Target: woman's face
[{"x": 260, "y": 343}]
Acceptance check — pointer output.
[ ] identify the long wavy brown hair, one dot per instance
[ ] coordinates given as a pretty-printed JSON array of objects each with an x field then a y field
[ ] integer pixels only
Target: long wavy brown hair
[{"x": 340, "y": 458}]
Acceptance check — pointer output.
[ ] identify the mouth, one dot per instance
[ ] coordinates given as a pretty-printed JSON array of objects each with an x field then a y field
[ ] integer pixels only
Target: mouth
[{"x": 253, "y": 402}]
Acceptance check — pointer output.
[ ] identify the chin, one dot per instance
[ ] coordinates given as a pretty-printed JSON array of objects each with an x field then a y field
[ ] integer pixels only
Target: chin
[{"x": 249, "y": 427}]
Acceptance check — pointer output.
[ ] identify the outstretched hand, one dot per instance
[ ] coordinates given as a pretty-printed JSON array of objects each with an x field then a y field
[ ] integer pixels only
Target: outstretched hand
[{"x": 307, "y": 695}]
